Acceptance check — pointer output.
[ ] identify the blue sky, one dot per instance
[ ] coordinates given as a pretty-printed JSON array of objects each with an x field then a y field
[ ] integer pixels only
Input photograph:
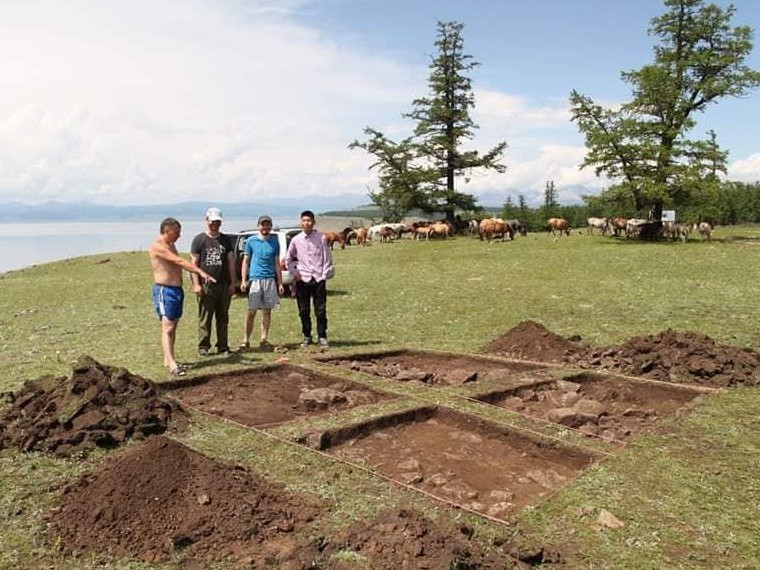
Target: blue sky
[{"x": 151, "y": 101}]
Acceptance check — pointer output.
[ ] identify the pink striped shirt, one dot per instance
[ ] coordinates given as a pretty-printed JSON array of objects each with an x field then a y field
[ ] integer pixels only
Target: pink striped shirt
[{"x": 309, "y": 257}]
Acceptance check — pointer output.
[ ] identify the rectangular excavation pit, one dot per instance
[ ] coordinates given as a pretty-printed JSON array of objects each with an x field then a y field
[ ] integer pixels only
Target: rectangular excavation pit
[
  {"x": 458, "y": 457},
  {"x": 597, "y": 404},
  {"x": 272, "y": 395},
  {"x": 432, "y": 368}
]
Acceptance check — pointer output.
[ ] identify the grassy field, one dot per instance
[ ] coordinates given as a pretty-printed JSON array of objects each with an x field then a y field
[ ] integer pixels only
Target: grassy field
[{"x": 688, "y": 495}]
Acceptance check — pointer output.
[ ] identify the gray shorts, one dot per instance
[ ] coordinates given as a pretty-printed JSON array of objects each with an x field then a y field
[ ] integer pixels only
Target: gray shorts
[{"x": 262, "y": 294}]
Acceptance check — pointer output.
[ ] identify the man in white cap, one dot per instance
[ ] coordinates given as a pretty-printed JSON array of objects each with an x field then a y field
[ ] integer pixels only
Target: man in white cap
[{"x": 213, "y": 252}]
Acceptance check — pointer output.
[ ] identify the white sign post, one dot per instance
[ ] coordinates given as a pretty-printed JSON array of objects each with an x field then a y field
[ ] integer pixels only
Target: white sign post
[{"x": 668, "y": 215}]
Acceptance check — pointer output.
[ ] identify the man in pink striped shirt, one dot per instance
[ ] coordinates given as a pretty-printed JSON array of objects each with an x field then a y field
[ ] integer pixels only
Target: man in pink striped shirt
[{"x": 309, "y": 261}]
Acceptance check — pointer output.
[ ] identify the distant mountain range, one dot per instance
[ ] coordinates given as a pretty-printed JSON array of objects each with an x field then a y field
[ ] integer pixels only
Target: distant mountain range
[
  {"x": 281, "y": 208},
  {"x": 87, "y": 211}
]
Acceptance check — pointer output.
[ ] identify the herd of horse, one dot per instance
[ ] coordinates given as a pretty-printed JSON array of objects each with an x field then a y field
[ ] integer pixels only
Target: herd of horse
[
  {"x": 640, "y": 228},
  {"x": 490, "y": 229}
]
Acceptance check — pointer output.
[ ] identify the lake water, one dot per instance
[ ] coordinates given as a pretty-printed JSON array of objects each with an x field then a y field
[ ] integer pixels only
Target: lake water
[{"x": 23, "y": 245}]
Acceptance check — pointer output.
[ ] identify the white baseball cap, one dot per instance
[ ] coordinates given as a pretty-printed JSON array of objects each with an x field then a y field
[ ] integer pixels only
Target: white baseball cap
[{"x": 214, "y": 214}]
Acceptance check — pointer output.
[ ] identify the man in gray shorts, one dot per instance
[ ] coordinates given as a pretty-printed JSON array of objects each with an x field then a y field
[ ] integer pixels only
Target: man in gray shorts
[{"x": 262, "y": 278}]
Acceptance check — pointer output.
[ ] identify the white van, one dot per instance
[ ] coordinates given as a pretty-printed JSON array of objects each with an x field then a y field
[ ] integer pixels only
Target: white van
[{"x": 283, "y": 237}]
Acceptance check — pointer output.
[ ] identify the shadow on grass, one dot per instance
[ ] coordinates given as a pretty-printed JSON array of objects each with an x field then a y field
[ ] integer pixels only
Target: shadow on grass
[
  {"x": 655, "y": 241},
  {"x": 215, "y": 360},
  {"x": 333, "y": 344},
  {"x": 350, "y": 343},
  {"x": 336, "y": 293}
]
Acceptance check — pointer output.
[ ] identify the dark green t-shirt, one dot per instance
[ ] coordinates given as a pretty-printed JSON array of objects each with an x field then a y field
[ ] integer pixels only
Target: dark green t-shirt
[{"x": 212, "y": 255}]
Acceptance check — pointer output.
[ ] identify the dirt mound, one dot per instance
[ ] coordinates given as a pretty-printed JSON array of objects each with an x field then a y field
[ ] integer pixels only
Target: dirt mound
[
  {"x": 406, "y": 539},
  {"x": 161, "y": 498},
  {"x": 678, "y": 357},
  {"x": 96, "y": 406},
  {"x": 529, "y": 340}
]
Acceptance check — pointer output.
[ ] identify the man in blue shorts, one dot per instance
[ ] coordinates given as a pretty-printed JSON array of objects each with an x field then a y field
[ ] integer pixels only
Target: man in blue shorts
[
  {"x": 168, "y": 294},
  {"x": 262, "y": 277}
]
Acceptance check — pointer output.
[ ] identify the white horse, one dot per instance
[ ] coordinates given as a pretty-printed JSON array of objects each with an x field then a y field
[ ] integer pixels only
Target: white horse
[{"x": 602, "y": 224}]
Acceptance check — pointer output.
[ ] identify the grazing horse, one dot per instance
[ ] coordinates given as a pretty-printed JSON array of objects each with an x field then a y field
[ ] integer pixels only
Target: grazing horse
[
  {"x": 332, "y": 237},
  {"x": 386, "y": 234},
  {"x": 348, "y": 234},
  {"x": 705, "y": 230},
  {"x": 517, "y": 227},
  {"x": 633, "y": 227},
  {"x": 361, "y": 236},
  {"x": 440, "y": 229},
  {"x": 493, "y": 227},
  {"x": 671, "y": 230},
  {"x": 420, "y": 231},
  {"x": 618, "y": 225},
  {"x": 558, "y": 224},
  {"x": 459, "y": 226},
  {"x": 602, "y": 224}
]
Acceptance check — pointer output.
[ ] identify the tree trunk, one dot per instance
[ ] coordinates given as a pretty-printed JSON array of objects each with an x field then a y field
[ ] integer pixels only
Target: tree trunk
[{"x": 655, "y": 214}]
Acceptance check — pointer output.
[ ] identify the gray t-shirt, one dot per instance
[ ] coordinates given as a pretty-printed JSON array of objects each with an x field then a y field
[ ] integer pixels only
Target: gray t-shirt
[{"x": 212, "y": 255}]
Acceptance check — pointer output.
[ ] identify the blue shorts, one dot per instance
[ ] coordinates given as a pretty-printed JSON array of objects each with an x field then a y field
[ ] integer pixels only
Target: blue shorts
[{"x": 168, "y": 300}]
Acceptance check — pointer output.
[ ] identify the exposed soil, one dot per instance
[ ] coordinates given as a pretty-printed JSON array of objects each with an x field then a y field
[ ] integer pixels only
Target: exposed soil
[
  {"x": 529, "y": 340},
  {"x": 270, "y": 396},
  {"x": 679, "y": 357},
  {"x": 458, "y": 457},
  {"x": 96, "y": 406},
  {"x": 670, "y": 356},
  {"x": 430, "y": 367},
  {"x": 406, "y": 539},
  {"x": 161, "y": 498},
  {"x": 600, "y": 405}
]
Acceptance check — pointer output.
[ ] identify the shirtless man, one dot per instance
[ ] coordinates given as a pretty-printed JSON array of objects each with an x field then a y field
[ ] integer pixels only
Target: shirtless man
[{"x": 168, "y": 294}]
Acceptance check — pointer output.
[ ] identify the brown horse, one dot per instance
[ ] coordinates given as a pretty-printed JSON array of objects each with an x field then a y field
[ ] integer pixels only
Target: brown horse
[
  {"x": 361, "y": 236},
  {"x": 332, "y": 237},
  {"x": 558, "y": 224},
  {"x": 618, "y": 225}
]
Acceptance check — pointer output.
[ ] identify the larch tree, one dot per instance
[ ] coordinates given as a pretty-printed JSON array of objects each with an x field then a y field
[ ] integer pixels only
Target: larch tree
[
  {"x": 434, "y": 157},
  {"x": 644, "y": 145}
]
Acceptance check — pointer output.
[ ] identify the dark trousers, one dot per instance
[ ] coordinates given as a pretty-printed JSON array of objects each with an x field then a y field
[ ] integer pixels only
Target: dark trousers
[
  {"x": 214, "y": 303},
  {"x": 305, "y": 291}
]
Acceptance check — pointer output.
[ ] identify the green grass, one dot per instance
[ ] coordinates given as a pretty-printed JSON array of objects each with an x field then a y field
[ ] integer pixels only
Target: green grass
[{"x": 688, "y": 495}]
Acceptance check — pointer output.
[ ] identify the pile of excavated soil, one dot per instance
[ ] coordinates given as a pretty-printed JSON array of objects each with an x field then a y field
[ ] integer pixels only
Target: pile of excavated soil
[
  {"x": 529, "y": 340},
  {"x": 678, "y": 357},
  {"x": 96, "y": 406},
  {"x": 161, "y": 499},
  {"x": 670, "y": 356},
  {"x": 406, "y": 539}
]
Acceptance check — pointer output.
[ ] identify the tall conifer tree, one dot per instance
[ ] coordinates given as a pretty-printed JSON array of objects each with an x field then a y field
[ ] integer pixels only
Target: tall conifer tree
[{"x": 433, "y": 157}]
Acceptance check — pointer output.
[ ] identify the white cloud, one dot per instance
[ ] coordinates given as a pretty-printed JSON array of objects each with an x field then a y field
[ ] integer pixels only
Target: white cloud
[
  {"x": 514, "y": 114},
  {"x": 745, "y": 170},
  {"x": 529, "y": 176},
  {"x": 146, "y": 102}
]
